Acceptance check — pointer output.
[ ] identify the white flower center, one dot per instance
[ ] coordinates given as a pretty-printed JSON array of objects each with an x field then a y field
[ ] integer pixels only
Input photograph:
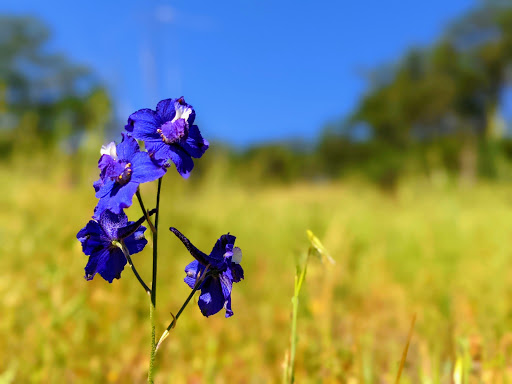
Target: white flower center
[
  {"x": 237, "y": 255},
  {"x": 109, "y": 149},
  {"x": 182, "y": 112}
]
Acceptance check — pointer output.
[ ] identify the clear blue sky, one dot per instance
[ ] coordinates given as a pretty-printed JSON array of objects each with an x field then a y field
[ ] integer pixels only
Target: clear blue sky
[{"x": 254, "y": 70}]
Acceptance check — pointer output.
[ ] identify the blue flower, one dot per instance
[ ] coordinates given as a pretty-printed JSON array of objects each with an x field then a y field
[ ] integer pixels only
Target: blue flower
[
  {"x": 123, "y": 168},
  {"x": 169, "y": 134},
  {"x": 102, "y": 241},
  {"x": 224, "y": 269}
]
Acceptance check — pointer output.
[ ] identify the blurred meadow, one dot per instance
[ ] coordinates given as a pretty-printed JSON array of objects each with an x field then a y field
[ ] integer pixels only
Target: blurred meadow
[
  {"x": 434, "y": 249},
  {"x": 409, "y": 192}
]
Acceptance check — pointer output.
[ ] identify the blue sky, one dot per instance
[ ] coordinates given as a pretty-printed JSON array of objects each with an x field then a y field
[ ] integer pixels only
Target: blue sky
[{"x": 254, "y": 70}]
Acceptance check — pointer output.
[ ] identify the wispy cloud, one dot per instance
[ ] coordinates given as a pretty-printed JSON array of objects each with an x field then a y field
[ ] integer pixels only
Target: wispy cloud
[{"x": 169, "y": 15}]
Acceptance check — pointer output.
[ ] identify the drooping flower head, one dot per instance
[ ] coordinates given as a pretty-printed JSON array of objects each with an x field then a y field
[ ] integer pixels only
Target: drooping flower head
[
  {"x": 122, "y": 169},
  {"x": 102, "y": 241},
  {"x": 169, "y": 134},
  {"x": 224, "y": 269}
]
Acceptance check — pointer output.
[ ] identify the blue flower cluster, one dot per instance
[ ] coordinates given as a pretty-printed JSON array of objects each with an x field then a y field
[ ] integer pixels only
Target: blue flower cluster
[
  {"x": 224, "y": 269},
  {"x": 170, "y": 136},
  {"x": 102, "y": 242}
]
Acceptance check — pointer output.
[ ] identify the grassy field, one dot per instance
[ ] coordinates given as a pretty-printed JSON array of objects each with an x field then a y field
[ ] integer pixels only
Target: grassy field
[{"x": 437, "y": 250}]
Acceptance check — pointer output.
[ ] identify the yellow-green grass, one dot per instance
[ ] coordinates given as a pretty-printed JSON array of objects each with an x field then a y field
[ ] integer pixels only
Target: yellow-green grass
[{"x": 440, "y": 251}]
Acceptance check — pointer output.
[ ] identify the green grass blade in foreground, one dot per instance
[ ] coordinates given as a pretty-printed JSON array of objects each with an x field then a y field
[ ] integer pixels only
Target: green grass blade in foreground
[{"x": 316, "y": 247}]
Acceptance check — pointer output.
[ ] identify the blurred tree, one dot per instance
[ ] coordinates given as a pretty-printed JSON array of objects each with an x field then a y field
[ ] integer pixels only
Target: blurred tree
[
  {"x": 44, "y": 98},
  {"x": 436, "y": 109},
  {"x": 450, "y": 90}
]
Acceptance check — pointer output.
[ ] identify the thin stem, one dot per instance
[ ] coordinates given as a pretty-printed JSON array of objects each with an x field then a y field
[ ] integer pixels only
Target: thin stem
[
  {"x": 180, "y": 311},
  {"x": 299, "y": 279},
  {"x": 155, "y": 247},
  {"x": 291, "y": 368},
  {"x": 130, "y": 263},
  {"x": 146, "y": 215},
  {"x": 152, "y": 306},
  {"x": 404, "y": 354},
  {"x": 153, "y": 350}
]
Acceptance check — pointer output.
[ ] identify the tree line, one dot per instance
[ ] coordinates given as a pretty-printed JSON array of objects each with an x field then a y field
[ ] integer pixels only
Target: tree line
[{"x": 436, "y": 108}]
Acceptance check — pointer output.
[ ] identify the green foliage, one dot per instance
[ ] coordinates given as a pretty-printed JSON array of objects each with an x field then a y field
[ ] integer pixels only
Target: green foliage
[{"x": 42, "y": 95}]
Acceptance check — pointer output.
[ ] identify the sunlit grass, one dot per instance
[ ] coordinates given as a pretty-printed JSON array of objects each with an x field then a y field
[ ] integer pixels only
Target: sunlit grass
[{"x": 440, "y": 251}]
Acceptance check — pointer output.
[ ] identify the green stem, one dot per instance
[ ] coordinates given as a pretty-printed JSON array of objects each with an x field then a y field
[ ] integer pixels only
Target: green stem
[
  {"x": 152, "y": 306},
  {"x": 295, "y": 311},
  {"x": 144, "y": 212},
  {"x": 299, "y": 279},
  {"x": 175, "y": 318},
  {"x": 152, "y": 355},
  {"x": 130, "y": 263}
]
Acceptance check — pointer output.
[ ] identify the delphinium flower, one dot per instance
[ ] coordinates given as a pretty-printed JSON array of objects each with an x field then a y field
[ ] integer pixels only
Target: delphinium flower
[
  {"x": 222, "y": 268},
  {"x": 123, "y": 168},
  {"x": 169, "y": 134},
  {"x": 103, "y": 242}
]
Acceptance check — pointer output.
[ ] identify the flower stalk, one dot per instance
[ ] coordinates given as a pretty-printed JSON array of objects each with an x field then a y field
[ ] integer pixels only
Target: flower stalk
[
  {"x": 152, "y": 306},
  {"x": 170, "y": 136},
  {"x": 130, "y": 263},
  {"x": 180, "y": 311},
  {"x": 144, "y": 212}
]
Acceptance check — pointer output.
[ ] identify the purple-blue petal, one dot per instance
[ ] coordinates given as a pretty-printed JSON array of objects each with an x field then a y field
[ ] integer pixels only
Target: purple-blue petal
[
  {"x": 91, "y": 228},
  {"x": 145, "y": 169},
  {"x": 110, "y": 268},
  {"x": 105, "y": 188},
  {"x": 158, "y": 146},
  {"x": 98, "y": 184},
  {"x": 195, "y": 145},
  {"x": 90, "y": 237},
  {"x": 94, "y": 260},
  {"x": 143, "y": 124},
  {"x": 161, "y": 151},
  {"x": 108, "y": 262},
  {"x": 227, "y": 305},
  {"x": 111, "y": 170},
  {"x": 191, "y": 117},
  {"x": 211, "y": 299},
  {"x": 127, "y": 148},
  {"x": 136, "y": 242},
  {"x": 101, "y": 207},
  {"x": 110, "y": 222},
  {"x": 105, "y": 161},
  {"x": 220, "y": 246},
  {"x": 174, "y": 131},
  {"x": 237, "y": 272},
  {"x": 192, "y": 269},
  {"x": 226, "y": 281},
  {"x": 182, "y": 160},
  {"x": 119, "y": 198},
  {"x": 166, "y": 109}
]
